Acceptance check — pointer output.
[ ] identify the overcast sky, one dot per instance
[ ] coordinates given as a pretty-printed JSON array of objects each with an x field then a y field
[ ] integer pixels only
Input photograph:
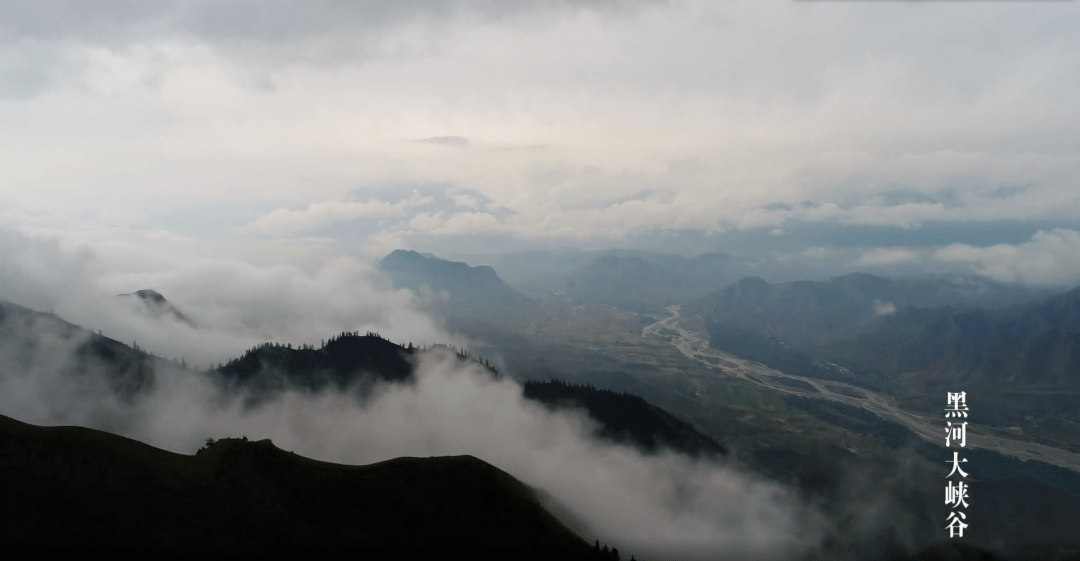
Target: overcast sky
[
  {"x": 249, "y": 158},
  {"x": 937, "y": 134}
]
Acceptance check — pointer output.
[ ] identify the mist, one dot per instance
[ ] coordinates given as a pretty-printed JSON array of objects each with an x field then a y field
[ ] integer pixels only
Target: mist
[
  {"x": 660, "y": 506},
  {"x": 236, "y": 296}
]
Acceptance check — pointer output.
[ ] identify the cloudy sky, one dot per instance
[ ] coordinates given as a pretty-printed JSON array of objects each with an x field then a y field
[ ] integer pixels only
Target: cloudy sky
[
  {"x": 250, "y": 158},
  {"x": 925, "y": 134}
]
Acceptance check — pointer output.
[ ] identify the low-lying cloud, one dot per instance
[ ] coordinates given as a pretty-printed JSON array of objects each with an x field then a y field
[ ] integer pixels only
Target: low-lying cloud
[
  {"x": 237, "y": 301},
  {"x": 884, "y": 308},
  {"x": 665, "y": 506},
  {"x": 1050, "y": 258}
]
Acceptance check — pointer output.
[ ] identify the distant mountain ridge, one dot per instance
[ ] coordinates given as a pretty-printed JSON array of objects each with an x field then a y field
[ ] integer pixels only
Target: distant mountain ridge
[
  {"x": 128, "y": 371},
  {"x": 1021, "y": 360},
  {"x": 638, "y": 282},
  {"x": 1034, "y": 344},
  {"x": 352, "y": 359},
  {"x": 812, "y": 313},
  {"x": 892, "y": 327},
  {"x": 349, "y": 360},
  {"x": 456, "y": 289}
]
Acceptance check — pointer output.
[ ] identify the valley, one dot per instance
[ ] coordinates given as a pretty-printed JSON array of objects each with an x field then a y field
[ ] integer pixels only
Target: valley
[
  {"x": 687, "y": 335},
  {"x": 674, "y": 352}
]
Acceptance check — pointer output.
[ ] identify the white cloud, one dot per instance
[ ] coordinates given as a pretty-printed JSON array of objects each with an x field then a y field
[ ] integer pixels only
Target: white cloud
[
  {"x": 284, "y": 221},
  {"x": 271, "y": 118},
  {"x": 666, "y": 506},
  {"x": 886, "y": 257},
  {"x": 884, "y": 308},
  {"x": 237, "y": 296},
  {"x": 1050, "y": 258}
]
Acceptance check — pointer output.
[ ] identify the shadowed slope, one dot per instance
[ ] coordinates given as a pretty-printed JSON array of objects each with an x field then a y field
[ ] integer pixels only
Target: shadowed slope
[
  {"x": 626, "y": 418},
  {"x": 30, "y": 339},
  {"x": 455, "y": 289},
  {"x": 1027, "y": 345},
  {"x": 80, "y": 489},
  {"x": 812, "y": 313},
  {"x": 340, "y": 363}
]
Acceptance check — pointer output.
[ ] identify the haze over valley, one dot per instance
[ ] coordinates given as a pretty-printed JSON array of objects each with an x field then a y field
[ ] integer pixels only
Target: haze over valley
[{"x": 616, "y": 279}]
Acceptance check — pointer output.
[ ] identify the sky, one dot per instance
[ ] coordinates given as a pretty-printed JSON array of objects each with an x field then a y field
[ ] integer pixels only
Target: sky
[{"x": 932, "y": 134}]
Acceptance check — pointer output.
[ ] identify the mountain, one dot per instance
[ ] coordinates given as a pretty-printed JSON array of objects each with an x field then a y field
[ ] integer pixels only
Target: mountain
[
  {"x": 351, "y": 359},
  {"x": 1020, "y": 360},
  {"x": 154, "y": 304},
  {"x": 1036, "y": 508},
  {"x": 455, "y": 289},
  {"x": 625, "y": 418},
  {"x": 812, "y": 313},
  {"x": 344, "y": 361},
  {"x": 639, "y": 282},
  {"x": 1022, "y": 363},
  {"x": 28, "y": 338},
  {"x": 70, "y": 489},
  {"x": 1034, "y": 344}
]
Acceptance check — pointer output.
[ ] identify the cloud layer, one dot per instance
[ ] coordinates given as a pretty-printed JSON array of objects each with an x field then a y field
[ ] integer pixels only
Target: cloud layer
[
  {"x": 237, "y": 299},
  {"x": 586, "y": 122},
  {"x": 666, "y": 506},
  {"x": 1050, "y": 258}
]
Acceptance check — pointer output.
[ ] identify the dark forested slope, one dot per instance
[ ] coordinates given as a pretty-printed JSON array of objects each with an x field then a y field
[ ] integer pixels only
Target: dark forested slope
[
  {"x": 76, "y": 489},
  {"x": 626, "y": 418}
]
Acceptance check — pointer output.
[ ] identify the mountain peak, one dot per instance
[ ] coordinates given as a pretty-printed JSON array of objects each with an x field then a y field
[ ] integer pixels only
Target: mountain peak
[
  {"x": 472, "y": 291},
  {"x": 156, "y": 305},
  {"x": 405, "y": 254},
  {"x": 148, "y": 295}
]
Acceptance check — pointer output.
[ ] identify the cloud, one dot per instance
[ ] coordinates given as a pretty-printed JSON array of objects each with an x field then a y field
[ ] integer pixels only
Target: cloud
[
  {"x": 445, "y": 140},
  {"x": 666, "y": 506},
  {"x": 420, "y": 209},
  {"x": 1050, "y": 259},
  {"x": 269, "y": 114},
  {"x": 312, "y": 32},
  {"x": 236, "y": 299},
  {"x": 886, "y": 256},
  {"x": 284, "y": 221},
  {"x": 884, "y": 308}
]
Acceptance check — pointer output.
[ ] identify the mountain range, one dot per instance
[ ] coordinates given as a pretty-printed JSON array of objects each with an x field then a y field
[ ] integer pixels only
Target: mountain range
[
  {"x": 245, "y": 478},
  {"x": 812, "y": 313},
  {"x": 457, "y": 290},
  {"x": 1016, "y": 351},
  {"x": 642, "y": 282}
]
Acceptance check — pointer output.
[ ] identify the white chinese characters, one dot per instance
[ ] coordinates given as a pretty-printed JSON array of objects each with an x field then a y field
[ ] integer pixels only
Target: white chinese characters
[{"x": 956, "y": 492}]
